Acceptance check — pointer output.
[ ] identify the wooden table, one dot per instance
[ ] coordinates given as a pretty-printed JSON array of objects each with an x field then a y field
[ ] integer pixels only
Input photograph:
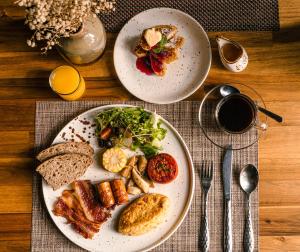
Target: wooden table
[{"x": 274, "y": 70}]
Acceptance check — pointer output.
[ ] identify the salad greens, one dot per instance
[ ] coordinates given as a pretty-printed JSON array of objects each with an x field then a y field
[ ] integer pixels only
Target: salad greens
[{"x": 141, "y": 127}]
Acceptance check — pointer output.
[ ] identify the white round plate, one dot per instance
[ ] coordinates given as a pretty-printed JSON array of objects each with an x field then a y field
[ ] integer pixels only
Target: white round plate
[
  {"x": 180, "y": 191},
  {"x": 183, "y": 77}
]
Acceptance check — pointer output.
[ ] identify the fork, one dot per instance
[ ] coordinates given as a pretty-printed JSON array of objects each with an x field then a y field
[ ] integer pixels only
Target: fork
[{"x": 206, "y": 176}]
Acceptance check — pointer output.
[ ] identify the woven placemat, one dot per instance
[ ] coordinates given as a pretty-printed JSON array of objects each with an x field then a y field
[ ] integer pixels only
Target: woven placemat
[
  {"x": 52, "y": 116},
  {"x": 213, "y": 15}
]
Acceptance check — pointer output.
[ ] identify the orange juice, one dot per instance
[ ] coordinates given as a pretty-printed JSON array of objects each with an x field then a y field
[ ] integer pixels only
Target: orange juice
[{"x": 67, "y": 82}]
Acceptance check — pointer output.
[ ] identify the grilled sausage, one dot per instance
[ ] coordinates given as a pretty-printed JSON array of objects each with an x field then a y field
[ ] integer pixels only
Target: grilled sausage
[
  {"x": 105, "y": 194},
  {"x": 119, "y": 191}
]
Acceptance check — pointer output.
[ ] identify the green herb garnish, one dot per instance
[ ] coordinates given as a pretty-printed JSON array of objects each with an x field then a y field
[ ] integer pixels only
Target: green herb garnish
[
  {"x": 160, "y": 45},
  {"x": 163, "y": 167},
  {"x": 143, "y": 127}
]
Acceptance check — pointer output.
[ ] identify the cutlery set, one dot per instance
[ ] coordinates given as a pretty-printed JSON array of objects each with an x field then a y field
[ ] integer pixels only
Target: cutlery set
[{"x": 248, "y": 181}]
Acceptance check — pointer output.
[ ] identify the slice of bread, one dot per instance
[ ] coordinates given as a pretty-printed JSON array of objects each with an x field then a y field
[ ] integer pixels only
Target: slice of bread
[
  {"x": 167, "y": 30},
  {"x": 172, "y": 48},
  {"x": 64, "y": 169},
  {"x": 175, "y": 43},
  {"x": 65, "y": 148}
]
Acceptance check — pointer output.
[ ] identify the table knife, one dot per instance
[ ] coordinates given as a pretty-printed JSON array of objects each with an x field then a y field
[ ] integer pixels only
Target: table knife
[{"x": 227, "y": 178}]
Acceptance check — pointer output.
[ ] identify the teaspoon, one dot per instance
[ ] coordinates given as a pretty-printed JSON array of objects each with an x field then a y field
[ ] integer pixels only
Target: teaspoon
[{"x": 248, "y": 182}]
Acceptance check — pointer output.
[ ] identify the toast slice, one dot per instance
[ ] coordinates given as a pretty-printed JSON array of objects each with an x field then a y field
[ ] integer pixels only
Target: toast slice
[
  {"x": 64, "y": 169},
  {"x": 65, "y": 148},
  {"x": 175, "y": 43}
]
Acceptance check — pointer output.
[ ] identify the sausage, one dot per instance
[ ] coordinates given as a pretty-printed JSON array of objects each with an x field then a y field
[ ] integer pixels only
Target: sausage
[
  {"x": 119, "y": 191},
  {"x": 106, "y": 194}
]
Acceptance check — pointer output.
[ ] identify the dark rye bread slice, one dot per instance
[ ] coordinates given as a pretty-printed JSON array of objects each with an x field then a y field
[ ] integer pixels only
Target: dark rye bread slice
[
  {"x": 64, "y": 169},
  {"x": 65, "y": 148}
]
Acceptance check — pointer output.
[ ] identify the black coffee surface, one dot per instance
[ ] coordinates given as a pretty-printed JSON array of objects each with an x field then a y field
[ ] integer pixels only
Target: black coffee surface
[{"x": 236, "y": 114}]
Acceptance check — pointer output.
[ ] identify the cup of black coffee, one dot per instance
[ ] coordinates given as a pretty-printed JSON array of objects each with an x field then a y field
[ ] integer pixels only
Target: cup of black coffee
[{"x": 236, "y": 113}]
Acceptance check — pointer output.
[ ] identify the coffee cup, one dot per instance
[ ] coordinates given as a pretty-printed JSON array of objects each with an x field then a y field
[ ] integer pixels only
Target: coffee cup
[{"x": 237, "y": 113}]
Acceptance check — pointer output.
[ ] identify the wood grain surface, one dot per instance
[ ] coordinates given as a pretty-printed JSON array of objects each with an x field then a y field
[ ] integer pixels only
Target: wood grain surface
[{"x": 274, "y": 70}]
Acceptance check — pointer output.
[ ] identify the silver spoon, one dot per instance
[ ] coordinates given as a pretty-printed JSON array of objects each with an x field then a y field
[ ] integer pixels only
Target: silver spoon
[
  {"x": 227, "y": 90},
  {"x": 248, "y": 182}
]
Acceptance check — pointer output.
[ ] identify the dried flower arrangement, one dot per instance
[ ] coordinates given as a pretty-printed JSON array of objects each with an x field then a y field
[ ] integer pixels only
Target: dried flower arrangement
[{"x": 52, "y": 19}]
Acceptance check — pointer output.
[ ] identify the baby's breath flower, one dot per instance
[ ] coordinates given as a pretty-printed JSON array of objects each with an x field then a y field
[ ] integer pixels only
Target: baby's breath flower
[{"x": 54, "y": 19}]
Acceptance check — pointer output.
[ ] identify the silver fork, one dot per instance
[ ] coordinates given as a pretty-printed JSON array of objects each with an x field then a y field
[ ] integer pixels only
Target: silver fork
[{"x": 206, "y": 176}]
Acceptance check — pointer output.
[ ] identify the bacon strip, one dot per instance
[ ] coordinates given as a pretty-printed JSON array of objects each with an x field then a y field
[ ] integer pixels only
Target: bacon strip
[
  {"x": 85, "y": 195},
  {"x": 75, "y": 208}
]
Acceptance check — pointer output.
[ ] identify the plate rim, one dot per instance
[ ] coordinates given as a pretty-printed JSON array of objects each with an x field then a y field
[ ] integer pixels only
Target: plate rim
[
  {"x": 189, "y": 200},
  {"x": 200, "y": 82}
]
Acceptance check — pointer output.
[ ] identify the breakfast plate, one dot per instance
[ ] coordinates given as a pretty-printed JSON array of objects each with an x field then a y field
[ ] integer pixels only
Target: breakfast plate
[
  {"x": 183, "y": 77},
  {"x": 179, "y": 191}
]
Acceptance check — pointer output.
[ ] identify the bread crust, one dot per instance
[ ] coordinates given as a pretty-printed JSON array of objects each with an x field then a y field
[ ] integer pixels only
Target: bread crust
[{"x": 65, "y": 148}]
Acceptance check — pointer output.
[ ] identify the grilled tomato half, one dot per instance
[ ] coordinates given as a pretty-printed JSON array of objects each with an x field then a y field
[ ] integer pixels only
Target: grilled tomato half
[{"x": 162, "y": 168}]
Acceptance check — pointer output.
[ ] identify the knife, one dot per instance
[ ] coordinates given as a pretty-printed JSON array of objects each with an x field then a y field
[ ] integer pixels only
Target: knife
[{"x": 227, "y": 178}]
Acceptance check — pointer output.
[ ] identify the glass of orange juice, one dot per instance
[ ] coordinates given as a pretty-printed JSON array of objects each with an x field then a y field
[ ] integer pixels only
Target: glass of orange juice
[{"x": 67, "y": 82}]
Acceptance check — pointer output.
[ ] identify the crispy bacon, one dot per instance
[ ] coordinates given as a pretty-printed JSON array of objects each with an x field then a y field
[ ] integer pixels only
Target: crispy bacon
[
  {"x": 85, "y": 195},
  {"x": 75, "y": 208}
]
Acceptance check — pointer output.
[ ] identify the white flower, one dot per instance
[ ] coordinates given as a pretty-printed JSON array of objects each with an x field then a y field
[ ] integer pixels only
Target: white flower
[{"x": 53, "y": 19}]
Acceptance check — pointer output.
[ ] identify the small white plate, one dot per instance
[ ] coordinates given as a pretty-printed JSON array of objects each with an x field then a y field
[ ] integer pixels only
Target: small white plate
[
  {"x": 180, "y": 191},
  {"x": 183, "y": 77}
]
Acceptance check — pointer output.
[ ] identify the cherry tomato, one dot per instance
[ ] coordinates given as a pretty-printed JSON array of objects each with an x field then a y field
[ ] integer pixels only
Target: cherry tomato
[
  {"x": 162, "y": 168},
  {"x": 105, "y": 133}
]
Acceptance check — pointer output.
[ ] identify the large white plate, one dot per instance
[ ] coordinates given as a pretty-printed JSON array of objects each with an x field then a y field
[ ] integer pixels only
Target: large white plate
[
  {"x": 183, "y": 76},
  {"x": 180, "y": 192}
]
